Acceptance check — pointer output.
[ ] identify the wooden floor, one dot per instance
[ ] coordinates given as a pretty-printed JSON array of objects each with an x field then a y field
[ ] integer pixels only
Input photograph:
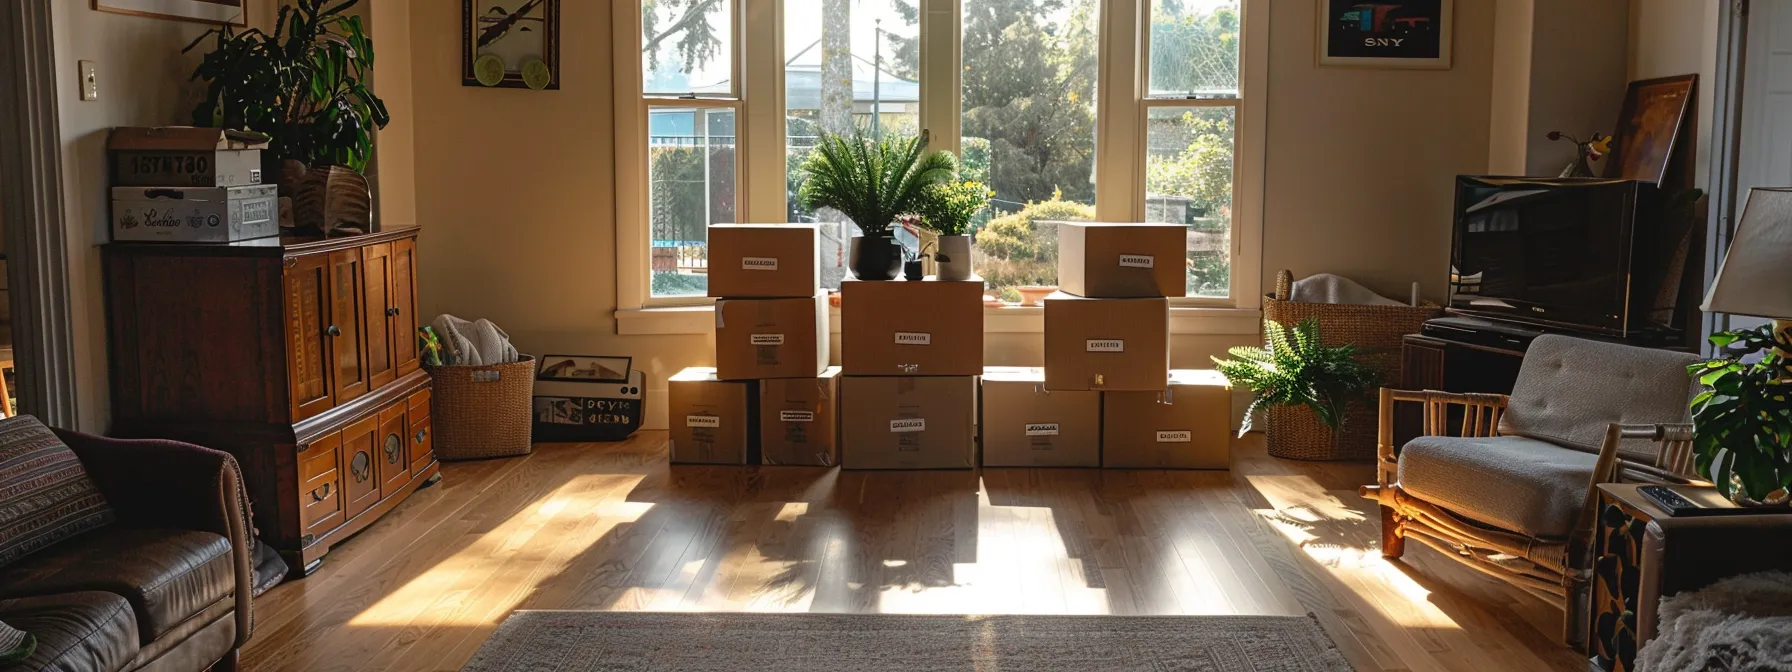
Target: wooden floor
[{"x": 610, "y": 527}]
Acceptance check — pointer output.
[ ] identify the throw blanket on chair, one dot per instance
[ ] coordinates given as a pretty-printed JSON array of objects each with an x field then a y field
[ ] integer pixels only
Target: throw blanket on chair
[{"x": 1740, "y": 623}]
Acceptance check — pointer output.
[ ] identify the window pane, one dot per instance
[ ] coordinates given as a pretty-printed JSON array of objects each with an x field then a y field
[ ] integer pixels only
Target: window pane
[
  {"x": 1028, "y": 97},
  {"x": 690, "y": 172},
  {"x": 848, "y": 65},
  {"x": 1194, "y": 48},
  {"x": 1188, "y": 180},
  {"x": 687, "y": 47}
]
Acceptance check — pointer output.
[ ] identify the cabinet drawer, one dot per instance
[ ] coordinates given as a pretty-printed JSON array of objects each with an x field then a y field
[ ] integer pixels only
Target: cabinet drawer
[
  {"x": 360, "y": 479},
  {"x": 419, "y": 404},
  {"x": 394, "y": 454},
  {"x": 320, "y": 487},
  {"x": 422, "y": 442}
]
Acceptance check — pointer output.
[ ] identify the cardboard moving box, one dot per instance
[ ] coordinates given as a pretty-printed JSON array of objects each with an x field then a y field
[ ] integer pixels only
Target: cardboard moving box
[
  {"x": 772, "y": 338},
  {"x": 763, "y": 260},
  {"x": 1118, "y": 261},
  {"x": 1106, "y": 344},
  {"x": 797, "y": 420},
  {"x": 1024, "y": 425},
  {"x": 908, "y": 422},
  {"x": 712, "y": 421},
  {"x": 185, "y": 156},
  {"x": 195, "y": 214},
  {"x": 1187, "y": 426},
  {"x": 928, "y": 328}
]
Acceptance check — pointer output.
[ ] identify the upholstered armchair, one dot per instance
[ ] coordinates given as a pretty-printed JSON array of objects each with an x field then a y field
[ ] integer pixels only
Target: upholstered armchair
[{"x": 1507, "y": 484}]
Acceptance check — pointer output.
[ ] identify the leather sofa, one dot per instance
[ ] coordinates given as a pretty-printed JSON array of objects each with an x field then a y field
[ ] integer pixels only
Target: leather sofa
[{"x": 168, "y": 586}]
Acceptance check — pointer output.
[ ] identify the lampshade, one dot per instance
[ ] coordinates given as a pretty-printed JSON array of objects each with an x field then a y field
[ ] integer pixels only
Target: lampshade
[{"x": 1756, "y": 276}]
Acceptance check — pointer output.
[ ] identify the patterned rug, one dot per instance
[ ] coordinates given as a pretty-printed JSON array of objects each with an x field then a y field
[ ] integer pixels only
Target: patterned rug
[{"x": 607, "y": 641}]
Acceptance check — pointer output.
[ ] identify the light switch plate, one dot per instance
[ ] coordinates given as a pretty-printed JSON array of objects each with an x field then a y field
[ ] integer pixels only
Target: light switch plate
[{"x": 90, "y": 81}]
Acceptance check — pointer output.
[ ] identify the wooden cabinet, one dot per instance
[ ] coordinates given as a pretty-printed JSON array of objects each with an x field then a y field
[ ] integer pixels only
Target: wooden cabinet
[{"x": 298, "y": 356}]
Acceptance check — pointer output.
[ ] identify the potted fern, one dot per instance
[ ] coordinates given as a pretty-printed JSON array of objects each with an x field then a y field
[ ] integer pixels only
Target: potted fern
[
  {"x": 947, "y": 210},
  {"x": 1307, "y": 387},
  {"x": 872, "y": 182}
]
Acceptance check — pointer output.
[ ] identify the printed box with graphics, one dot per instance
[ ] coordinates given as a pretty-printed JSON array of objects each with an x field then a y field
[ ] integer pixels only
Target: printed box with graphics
[
  {"x": 595, "y": 410},
  {"x": 772, "y": 338},
  {"x": 763, "y": 261},
  {"x": 797, "y": 420},
  {"x": 195, "y": 214},
  {"x": 1106, "y": 344},
  {"x": 1121, "y": 261},
  {"x": 1024, "y": 425},
  {"x": 908, "y": 422},
  {"x": 712, "y": 421},
  {"x": 185, "y": 156},
  {"x": 1186, "y": 426},
  {"x": 928, "y": 328}
]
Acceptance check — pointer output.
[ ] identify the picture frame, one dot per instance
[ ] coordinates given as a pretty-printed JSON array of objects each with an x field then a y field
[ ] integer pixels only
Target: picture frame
[
  {"x": 1394, "y": 34},
  {"x": 1654, "y": 116},
  {"x": 218, "y": 12},
  {"x": 583, "y": 368},
  {"x": 515, "y": 35}
]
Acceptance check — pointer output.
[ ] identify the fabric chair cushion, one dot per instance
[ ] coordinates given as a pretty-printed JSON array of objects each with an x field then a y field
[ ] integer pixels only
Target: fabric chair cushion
[
  {"x": 166, "y": 575},
  {"x": 1509, "y": 482},
  {"x": 45, "y": 495},
  {"x": 1570, "y": 389},
  {"x": 78, "y": 631}
]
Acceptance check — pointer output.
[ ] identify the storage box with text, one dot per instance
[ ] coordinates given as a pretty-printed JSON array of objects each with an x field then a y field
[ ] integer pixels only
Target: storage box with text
[
  {"x": 798, "y": 420},
  {"x": 923, "y": 328},
  {"x": 763, "y": 261},
  {"x": 711, "y": 421},
  {"x": 772, "y": 338},
  {"x": 1186, "y": 426},
  {"x": 1025, "y": 425},
  {"x": 908, "y": 422},
  {"x": 185, "y": 156},
  {"x": 1106, "y": 344},
  {"x": 1118, "y": 261}
]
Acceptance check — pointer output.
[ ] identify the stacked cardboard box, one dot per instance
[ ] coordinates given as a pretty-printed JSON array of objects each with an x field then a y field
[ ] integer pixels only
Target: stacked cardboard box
[
  {"x": 912, "y": 352},
  {"x": 181, "y": 184},
  {"x": 771, "y": 384}
]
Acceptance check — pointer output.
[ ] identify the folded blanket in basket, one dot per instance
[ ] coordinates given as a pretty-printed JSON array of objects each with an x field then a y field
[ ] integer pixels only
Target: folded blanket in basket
[
  {"x": 475, "y": 343},
  {"x": 1328, "y": 288}
]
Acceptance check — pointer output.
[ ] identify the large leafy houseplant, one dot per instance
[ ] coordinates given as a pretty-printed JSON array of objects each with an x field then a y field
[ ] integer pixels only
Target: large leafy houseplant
[
  {"x": 1293, "y": 368},
  {"x": 303, "y": 86},
  {"x": 1742, "y": 419},
  {"x": 872, "y": 182}
]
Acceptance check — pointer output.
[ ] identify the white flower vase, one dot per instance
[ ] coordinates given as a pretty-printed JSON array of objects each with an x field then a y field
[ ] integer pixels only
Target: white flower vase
[{"x": 954, "y": 257}]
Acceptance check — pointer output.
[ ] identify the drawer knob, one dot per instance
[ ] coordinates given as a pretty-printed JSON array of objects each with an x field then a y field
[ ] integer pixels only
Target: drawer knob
[
  {"x": 333, "y": 330},
  {"x": 392, "y": 312},
  {"x": 320, "y": 493},
  {"x": 393, "y": 446},
  {"x": 422, "y": 435}
]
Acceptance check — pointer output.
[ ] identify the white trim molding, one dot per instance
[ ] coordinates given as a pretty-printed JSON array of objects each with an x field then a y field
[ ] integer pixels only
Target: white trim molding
[{"x": 687, "y": 320}]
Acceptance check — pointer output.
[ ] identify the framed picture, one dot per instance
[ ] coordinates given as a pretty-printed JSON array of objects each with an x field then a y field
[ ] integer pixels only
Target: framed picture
[
  {"x": 232, "y": 12},
  {"x": 1386, "y": 33},
  {"x": 584, "y": 368},
  {"x": 513, "y": 44},
  {"x": 1649, "y": 127}
]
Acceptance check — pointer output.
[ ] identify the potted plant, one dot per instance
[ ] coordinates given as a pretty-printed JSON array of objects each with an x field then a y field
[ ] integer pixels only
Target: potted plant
[
  {"x": 872, "y": 182},
  {"x": 947, "y": 210},
  {"x": 1742, "y": 419},
  {"x": 303, "y": 87},
  {"x": 1299, "y": 381}
]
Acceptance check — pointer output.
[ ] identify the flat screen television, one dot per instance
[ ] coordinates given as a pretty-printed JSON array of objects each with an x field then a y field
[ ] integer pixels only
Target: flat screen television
[{"x": 1561, "y": 253}]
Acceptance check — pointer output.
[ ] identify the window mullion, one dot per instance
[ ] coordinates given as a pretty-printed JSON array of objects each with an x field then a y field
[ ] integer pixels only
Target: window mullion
[
  {"x": 1119, "y": 140},
  {"x": 762, "y": 146},
  {"x": 940, "y": 72}
]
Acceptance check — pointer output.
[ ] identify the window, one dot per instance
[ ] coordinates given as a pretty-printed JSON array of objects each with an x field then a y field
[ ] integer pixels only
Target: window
[{"x": 1064, "y": 111}]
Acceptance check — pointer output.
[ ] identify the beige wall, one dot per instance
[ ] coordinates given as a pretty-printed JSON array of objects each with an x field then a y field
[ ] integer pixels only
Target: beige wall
[
  {"x": 1361, "y": 162},
  {"x": 1679, "y": 37},
  {"x": 1580, "y": 55}
]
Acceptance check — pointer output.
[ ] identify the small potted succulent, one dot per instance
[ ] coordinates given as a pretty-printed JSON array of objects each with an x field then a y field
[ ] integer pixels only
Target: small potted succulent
[
  {"x": 1742, "y": 419},
  {"x": 872, "y": 182},
  {"x": 947, "y": 210}
]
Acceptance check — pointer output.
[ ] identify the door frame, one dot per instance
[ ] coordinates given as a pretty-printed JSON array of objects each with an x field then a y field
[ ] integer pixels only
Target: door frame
[
  {"x": 1726, "y": 147},
  {"x": 31, "y": 206}
]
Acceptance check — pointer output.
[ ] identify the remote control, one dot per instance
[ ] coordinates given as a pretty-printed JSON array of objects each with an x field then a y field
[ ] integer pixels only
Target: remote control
[{"x": 1673, "y": 502}]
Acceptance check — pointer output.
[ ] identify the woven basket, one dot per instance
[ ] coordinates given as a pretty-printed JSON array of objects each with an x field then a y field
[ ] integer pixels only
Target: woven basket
[
  {"x": 482, "y": 411},
  {"x": 1376, "y": 331}
]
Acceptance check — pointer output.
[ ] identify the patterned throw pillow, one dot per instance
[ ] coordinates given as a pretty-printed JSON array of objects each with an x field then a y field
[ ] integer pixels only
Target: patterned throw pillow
[
  {"x": 45, "y": 495},
  {"x": 15, "y": 645}
]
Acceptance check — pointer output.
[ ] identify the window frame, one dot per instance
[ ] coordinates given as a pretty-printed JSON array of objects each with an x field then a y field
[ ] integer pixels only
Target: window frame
[{"x": 759, "y": 107}]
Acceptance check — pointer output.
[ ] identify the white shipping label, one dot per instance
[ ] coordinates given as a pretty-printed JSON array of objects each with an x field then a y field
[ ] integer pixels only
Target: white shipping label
[
  {"x": 905, "y": 425},
  {"x": 767, "y": 339},
  {"x": 1175, "y": 436},
  {"x": 913, "y": 338},
  {"x": 796, "y": 416},
  {"x": 711, "y": 421},
  {"x": 758, "y": 263},
  {"x": 1042, "y": 429},
  {"x": 1104, "y": 345},
  {"x": 1137, "y": 261}
]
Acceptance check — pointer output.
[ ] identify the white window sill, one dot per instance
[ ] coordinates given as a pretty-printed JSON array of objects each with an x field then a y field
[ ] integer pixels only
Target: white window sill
[{"x": 1207, "y": 321}]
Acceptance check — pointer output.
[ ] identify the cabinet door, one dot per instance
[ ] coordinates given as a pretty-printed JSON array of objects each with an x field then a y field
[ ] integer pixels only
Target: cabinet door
[
  {"x": 421, "y": 438},
  {"x": 348, "y": 338},
  {"x": 362, "y": 484},
  {"x": 404, "y": 305},
  {"x": 395, "y": 463},
  {"x": 376, "y": 311},
  {"x": 308, "y": 314}
]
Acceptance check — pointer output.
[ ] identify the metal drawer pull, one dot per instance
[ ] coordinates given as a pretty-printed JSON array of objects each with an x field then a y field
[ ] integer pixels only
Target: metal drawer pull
[{"x": 320, "y": 493}]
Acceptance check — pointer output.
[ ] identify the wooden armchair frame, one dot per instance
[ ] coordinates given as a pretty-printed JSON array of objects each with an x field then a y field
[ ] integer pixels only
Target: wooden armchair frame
[{"x": 1554, "y": 570}]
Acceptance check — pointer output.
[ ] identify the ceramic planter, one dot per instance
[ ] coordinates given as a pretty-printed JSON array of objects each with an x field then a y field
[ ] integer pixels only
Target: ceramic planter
[
  {"x": 875, "y": 257},
  {"x": 954, "y": 257}
]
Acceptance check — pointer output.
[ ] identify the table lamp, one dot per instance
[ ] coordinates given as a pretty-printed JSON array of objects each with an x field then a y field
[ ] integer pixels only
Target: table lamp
[{"x": 1755, "y": 278}]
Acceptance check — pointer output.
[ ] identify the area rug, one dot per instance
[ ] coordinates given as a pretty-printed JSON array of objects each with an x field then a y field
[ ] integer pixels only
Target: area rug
[{"x": 705, "y": 642}]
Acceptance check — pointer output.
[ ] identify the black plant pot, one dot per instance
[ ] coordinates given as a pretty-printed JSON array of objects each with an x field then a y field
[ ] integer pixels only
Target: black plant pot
[
  {"x": 912, "y": 270},
  {"x": 875, "y": 257}
]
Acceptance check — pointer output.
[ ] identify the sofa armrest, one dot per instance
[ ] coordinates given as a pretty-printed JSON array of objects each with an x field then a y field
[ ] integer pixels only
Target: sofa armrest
[
  {"x": 157, "y": 483},
  {"x": 1481, "y": 417}
]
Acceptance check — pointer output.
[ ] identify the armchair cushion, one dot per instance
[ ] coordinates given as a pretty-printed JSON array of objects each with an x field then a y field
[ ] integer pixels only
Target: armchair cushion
[
  {"x": 1570, "y": 389},
  {"x": 166, "y": 575},
  {"x": 75, "y": 631},
  {"x": 1509, "y": 482},
  {"x": 45, "y": 494}
]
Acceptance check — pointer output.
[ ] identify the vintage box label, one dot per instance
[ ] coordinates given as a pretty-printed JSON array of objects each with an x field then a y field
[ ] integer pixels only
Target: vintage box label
[
  {"x": 913, "y": 338},
  {"x": 758, "y": 263},
  {"x": 906, "y": 425},
  {"x": 710, "y": 421},
  {"x": 1104, "y": 345},
  {"x": 1175, "y": 436},
  {"x": 796, "y": 416},
  {"x": 1042, "y": 429},
  {"x": 766, "y": 339},
  {"x": 1137, "y": 261}
]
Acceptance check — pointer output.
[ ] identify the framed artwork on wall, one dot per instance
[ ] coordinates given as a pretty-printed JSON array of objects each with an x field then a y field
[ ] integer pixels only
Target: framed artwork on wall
[
  {"x": 231, "y": 12},
  {"x": 1412, "y": 34},
  {"x": 513, "y": 44}
]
